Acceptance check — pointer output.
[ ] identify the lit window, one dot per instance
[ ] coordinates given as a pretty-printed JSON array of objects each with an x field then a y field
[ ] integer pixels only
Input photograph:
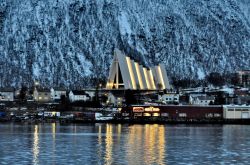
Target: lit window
[
  {"x": 146, "y": 114},
  {"x": 182, "y": 115},
  {"x": 156, "y": 114}
]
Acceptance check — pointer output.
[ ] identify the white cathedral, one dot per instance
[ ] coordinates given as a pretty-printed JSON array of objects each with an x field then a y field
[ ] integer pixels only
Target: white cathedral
[{"x": 125, "y": 73}]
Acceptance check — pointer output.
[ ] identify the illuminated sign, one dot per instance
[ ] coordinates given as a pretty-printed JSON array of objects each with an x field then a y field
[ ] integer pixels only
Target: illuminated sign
[
  {"x": 152, "y": 109},
  {"x": 138, "y": 109}
]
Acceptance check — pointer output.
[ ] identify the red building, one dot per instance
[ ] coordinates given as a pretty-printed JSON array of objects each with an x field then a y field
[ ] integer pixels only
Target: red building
[{"x": 173, "y": 112}]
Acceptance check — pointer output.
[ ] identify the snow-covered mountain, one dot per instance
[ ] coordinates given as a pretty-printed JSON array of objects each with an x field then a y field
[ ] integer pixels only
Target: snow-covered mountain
[{"x": 71, "y": 42}]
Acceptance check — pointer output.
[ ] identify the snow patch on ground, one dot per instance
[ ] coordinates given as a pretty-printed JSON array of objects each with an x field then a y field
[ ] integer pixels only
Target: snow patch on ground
[
  {"x": 228, "y": 90},
  {"x": 87, "y": 65},
  {"x": 201, "y": 74},
  {"x": 36, "y": 70}
]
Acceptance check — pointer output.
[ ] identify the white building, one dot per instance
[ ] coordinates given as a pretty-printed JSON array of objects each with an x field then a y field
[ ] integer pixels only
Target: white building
[
  {"x": 76, "y": 95},
  {"x": 51, "y": 114},
  {"x": 57, "y": 93},
  {"x": 6, "y": 94},
  {"x": 236, "y": 112},
  {"x": 42, "y": 95},
  {"x": 201, "y": 100},
  {"x": 125, "y": 73},
  {"x": 169, "y": 98}
]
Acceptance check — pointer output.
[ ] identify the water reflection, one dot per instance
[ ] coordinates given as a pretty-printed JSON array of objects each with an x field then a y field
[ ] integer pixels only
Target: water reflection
[
  {"x": 146, "y": 144},
  {"x": 99, "y": 149},
  {"x": 124, "y": 144},
  {"x": 35, "y": 146},
  {"x": 154, "y": 144},
  {"x": 53, "y": 130},
  {"x": 109, "y": 143}
]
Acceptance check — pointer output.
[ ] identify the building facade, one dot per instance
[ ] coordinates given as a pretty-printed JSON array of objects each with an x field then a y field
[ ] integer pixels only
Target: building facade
[
  {"x": 42, "y": 95},
  {"x": 57, "y": 93},
  {"x": 169, "y": 98},
  {"x": 244, "y": 78},
  {"x": 6, "y": 94},
  {"x": 76, "y": 95},
  {"x": 236, "y": 112}
]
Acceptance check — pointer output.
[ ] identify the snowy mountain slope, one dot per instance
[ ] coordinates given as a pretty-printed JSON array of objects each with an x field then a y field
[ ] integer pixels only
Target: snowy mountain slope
[{"x": 71, "y": 42}]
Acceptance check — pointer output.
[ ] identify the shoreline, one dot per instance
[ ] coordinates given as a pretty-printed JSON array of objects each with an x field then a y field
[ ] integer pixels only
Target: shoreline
[{"x": 218, "y": 122}]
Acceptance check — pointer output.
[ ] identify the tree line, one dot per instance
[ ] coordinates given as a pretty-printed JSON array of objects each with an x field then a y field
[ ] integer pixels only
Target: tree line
[{"x": 214, "y": 78}]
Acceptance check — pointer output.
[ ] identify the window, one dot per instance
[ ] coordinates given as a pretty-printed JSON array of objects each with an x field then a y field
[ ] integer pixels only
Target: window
[
  {"x": 164, "y": 114},
  {"x": 137, "y": 114},
  {"x": 156, "y": 114},
  {"x": 182, "y": 115},
  {"x": 125, "y": 114},
  {"x": 217, "y": 115},
  {"x": 146, "y": 114},
  {"x": 209, "y": 115}
]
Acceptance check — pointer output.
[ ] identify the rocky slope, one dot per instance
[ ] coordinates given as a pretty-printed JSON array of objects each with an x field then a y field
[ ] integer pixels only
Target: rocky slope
[{"x": 71, "y": 42}]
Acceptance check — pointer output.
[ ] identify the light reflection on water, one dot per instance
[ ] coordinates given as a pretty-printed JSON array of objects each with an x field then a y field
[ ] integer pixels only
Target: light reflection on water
[
  {"x": 36, "y": 146},
  {"x": 124, "y": 144}
]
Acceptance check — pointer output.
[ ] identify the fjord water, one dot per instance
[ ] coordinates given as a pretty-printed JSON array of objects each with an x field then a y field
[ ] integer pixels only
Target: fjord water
[{"x": 124, "y": 144}]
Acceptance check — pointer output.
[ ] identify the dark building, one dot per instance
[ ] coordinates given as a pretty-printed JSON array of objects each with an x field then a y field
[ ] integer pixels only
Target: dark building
[{"x": 244, "y": 78}]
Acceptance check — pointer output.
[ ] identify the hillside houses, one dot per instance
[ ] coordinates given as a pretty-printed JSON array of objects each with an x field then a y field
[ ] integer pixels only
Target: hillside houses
[
  {"x": 78, "y": 95},
  {"x": 42, "y": 95},
  {"x": 57, "y": 93},
  {"x": 6, "y": 94}
]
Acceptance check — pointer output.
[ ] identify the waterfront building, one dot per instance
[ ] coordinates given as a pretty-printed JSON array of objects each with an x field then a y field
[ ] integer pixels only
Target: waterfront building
[
  {"x": 6, "y": 94},
  {"x": 236, "y": 112},
  {"x": 173, "y": 112},
  {"x": 125, "y": 73}
]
